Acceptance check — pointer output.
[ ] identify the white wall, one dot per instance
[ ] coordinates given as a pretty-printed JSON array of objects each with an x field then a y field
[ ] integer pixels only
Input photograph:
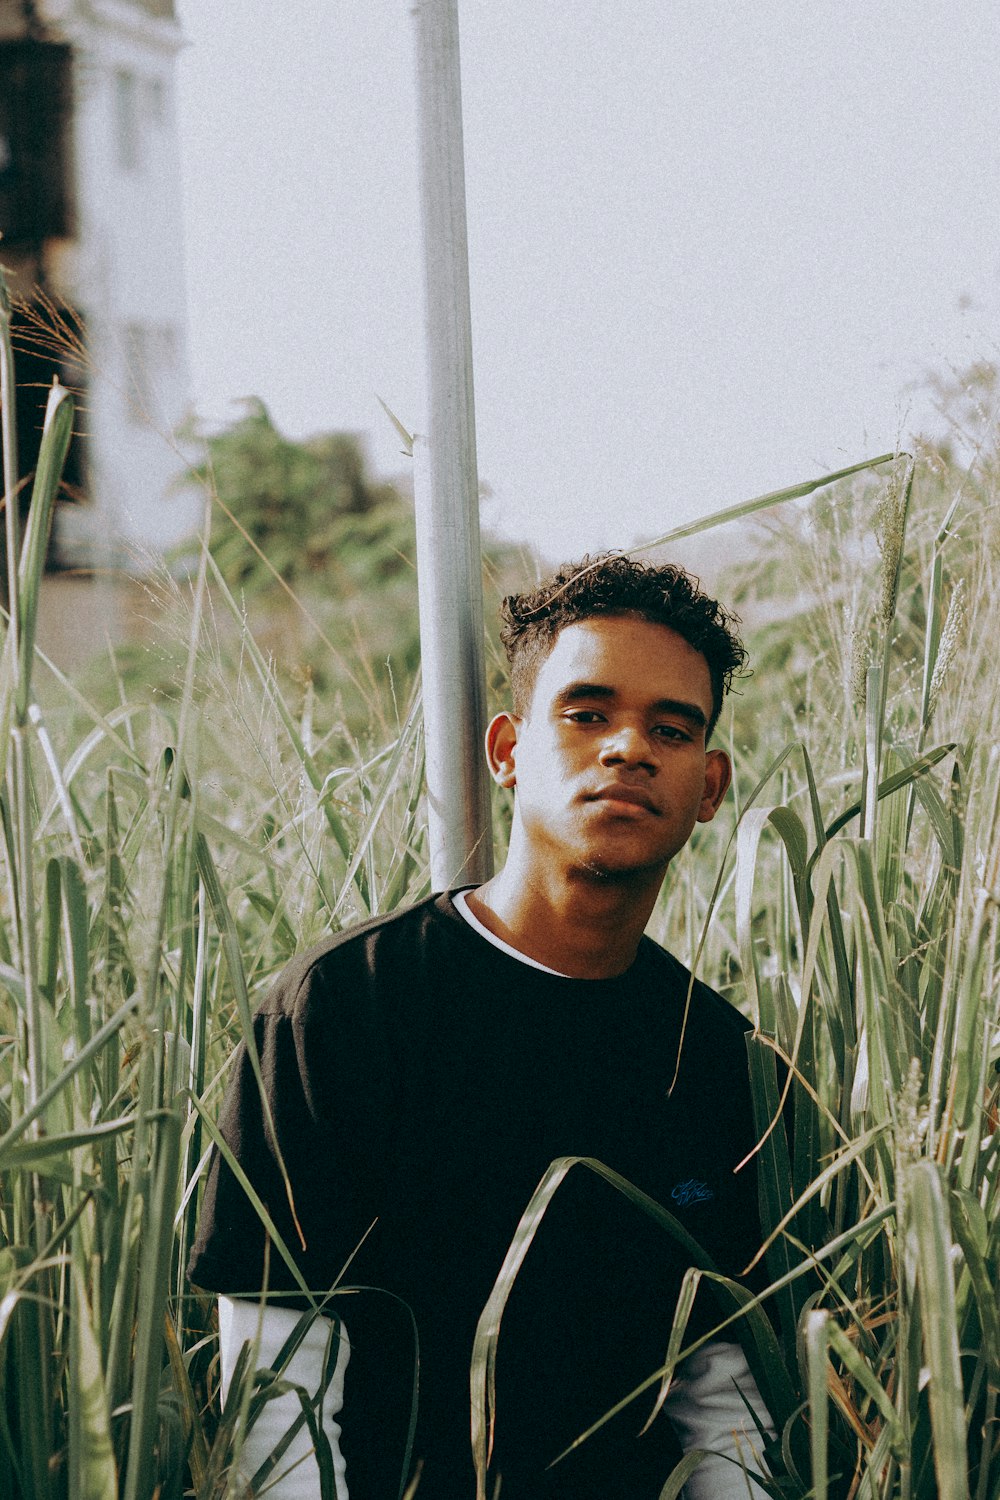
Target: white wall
[{"x": 128, "y": 279}]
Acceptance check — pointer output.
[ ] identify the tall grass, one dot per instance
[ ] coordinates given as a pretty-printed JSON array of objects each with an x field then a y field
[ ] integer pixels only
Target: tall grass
[
  {"x": 159, "y": 869},
  {"x": 163, "y": 859}
]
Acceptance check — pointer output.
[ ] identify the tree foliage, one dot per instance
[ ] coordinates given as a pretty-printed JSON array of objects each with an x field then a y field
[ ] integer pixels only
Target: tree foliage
[{"x": 310, "y": 509}]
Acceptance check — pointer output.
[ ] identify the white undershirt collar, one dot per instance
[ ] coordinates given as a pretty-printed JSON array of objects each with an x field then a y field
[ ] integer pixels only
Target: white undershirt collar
[{"x": 460, "y": 899}]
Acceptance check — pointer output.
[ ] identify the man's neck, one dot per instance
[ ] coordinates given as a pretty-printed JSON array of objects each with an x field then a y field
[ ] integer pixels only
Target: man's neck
[{"x": 581, "y": 924}]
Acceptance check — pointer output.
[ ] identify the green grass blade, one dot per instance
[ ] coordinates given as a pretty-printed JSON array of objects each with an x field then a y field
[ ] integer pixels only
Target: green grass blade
[
  {"x": 33, "y": 1363},
  {"x": 382, "y": 796},
  {"x": 893, "y": 783},
  {"x": 790, "y": 829},
  {"x": 83, "y": 1058},
  {"x": 858, "y": 1368},
  {"x": 819, "y": 1410},
  {"x": 154, "y": 1267},
  {"x": 774, "y": 1177},
  {"x": 406, "y": 438},
  {"x": 8, "y": 446},
  {"x": 682, "y": 1315},
  {"x": 56, "y": 433},
  {"x": 972, "y": 1233},
  {"x": 35, "y": 1155},
  {"x": 48, "y": 952},
  {"x": 75, "y": 938},
  {"x": 929, "y": 1238},
  {"x": 194, "y": 1427},
  {"x": 91, "y": 1471},
  {"x": 291, "y": 728},
  {"x": 681, "y": 1473},
  {"x": 61, "y": 794},
  {"x": 763, "y": 502},
  {"x": 119, "y": 965}
]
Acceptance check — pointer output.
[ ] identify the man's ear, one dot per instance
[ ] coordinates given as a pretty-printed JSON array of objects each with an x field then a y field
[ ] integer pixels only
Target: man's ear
[
  {"x": 501, "y": 741},
  {"x": 718, "y": 775}
]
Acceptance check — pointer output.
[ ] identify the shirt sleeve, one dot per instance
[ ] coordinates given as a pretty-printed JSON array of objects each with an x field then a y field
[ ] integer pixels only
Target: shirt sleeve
[
  {"x": 230, "y": 1253},
  {"x": 315, "y": 1156},
  {"x": 296, "y": 1476},
  {"x": 707, "y": 1407}
]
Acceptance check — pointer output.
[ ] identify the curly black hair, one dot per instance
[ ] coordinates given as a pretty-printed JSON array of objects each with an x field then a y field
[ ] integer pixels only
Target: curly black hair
[{"x": 611, "y": 584}]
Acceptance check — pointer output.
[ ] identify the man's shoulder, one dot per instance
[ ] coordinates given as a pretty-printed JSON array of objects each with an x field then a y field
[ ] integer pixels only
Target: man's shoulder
[
  {"x": 706, "y": 1004},
  {"x": 382, "y": 948}
]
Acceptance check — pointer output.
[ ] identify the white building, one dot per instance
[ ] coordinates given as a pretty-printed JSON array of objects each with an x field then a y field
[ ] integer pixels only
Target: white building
[{"x": 90, "y": 210}]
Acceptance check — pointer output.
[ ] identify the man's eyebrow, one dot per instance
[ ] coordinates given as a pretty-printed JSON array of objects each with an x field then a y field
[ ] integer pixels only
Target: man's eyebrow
[
  {"x": 575, "y": 692},
  {"x": 682, "y": 710}
]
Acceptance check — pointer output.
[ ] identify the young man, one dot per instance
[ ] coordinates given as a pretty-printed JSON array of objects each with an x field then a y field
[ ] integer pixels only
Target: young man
[{"x": 425, "y": 1069}]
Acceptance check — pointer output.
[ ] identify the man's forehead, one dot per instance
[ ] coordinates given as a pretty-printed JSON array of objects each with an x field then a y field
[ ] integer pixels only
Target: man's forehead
[
  {"x": 624, "y": 652},
  {"x": 624, "y": 636}
]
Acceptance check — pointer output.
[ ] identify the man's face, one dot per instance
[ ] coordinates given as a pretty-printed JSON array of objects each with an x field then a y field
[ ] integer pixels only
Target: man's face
[{"x": 610, "y": 763}]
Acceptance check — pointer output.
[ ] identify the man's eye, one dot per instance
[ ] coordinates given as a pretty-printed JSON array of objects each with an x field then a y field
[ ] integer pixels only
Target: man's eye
[
  {"x": 671, "y": 732},
  {"x": 585, "y": 716}
]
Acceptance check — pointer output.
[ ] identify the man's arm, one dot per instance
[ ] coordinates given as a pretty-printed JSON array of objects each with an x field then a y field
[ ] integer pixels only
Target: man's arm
[
  {"x": 705, "y": 1405},
  {"x": 242, "y": 1322}
]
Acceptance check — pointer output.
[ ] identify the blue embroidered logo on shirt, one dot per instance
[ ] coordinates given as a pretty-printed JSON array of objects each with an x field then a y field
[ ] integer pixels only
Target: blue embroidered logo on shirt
[{"x": 691, "y": 1191}]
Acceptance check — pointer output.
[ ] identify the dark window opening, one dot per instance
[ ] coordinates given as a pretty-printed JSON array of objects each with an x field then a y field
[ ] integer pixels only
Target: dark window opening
[{"x": 35, "y": 104}]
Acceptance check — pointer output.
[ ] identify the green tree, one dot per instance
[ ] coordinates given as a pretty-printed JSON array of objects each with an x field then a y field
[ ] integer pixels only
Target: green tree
[{"x": 307, "y": 510}]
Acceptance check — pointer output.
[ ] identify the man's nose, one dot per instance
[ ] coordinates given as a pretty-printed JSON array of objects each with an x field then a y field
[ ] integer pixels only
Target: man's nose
[{"x": 628, "y": 745}]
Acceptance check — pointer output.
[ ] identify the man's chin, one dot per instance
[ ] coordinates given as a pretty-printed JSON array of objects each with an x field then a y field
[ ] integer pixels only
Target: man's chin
[{"x": 622, "y": 869}]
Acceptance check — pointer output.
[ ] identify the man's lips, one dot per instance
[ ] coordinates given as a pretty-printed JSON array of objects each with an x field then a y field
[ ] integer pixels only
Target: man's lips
[{"x": 633, "y": 795}]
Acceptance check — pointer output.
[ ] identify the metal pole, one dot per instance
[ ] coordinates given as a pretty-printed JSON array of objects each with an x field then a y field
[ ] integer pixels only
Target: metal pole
[{"x": 446, "y": 488}]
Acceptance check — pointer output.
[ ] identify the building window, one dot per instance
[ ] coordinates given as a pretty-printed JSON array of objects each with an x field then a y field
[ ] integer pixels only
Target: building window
[
  {"x": 127, "y": 123},
  {"x": 156, "y": 102},
  {"x": 35, "y": 108}
]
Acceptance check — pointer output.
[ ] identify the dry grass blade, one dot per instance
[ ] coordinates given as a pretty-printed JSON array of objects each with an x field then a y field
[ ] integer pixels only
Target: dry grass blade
[{"x": 765, "y": 502}]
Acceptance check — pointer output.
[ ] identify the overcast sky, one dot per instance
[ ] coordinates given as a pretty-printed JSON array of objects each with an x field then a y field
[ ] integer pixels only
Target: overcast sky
[{"x": 715, "y": 248}]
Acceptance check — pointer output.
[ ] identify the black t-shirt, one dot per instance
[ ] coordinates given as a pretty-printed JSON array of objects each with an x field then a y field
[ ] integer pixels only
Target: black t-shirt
[{"x": 422, "y": 1080}]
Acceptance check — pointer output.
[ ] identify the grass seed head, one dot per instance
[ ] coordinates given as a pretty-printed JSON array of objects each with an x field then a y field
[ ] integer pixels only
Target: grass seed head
[
  {"x": 951, "y": 638},
  {"x": 890, "y": 525},
  {"x": 861, "y": 660}
]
